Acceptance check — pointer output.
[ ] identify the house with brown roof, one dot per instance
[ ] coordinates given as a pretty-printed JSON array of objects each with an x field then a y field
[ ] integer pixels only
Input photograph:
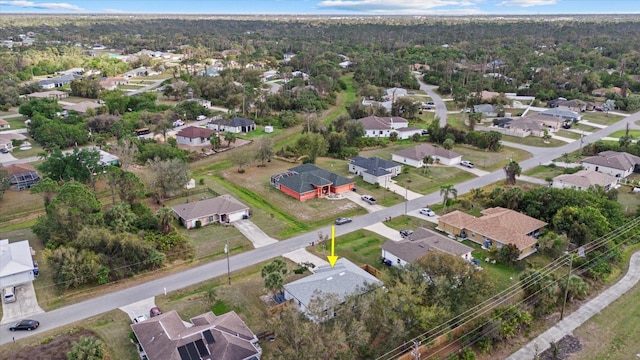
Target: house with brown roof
[
  {"x": 497, "y": 227},
  {"x": 408, "y": 250},
  {"x": 208, "y": 337},
  {"x": 414, "y": 156},
  {"x": 21, "y": 176},
  {"x": 4, "y": 124},
  {"x": 52, "y": 95},
  {"x": 194, "y": 136},
  {"x": 221, "y": 209},
  {"x": 583, "y": 180},
  {"x": 552, "y": 123},
  {"x": 82, "y": 107},
  {"x": 614, "y": 163},
  {"x": 604, "y": 91},
  {"x": 378, "y": 126}
]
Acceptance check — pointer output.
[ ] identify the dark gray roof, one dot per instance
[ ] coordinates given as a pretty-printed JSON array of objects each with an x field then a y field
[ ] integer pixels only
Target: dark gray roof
[
  {"x": 309, "y": 176},
  {"x": 422, "y": 241},
  {"x": 374, "y": 164},
  {"x": 483, "y": 108}
]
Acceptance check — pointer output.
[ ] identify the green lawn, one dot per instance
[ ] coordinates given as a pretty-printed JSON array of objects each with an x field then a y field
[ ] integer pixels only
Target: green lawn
[
  {"x": 543, "y": 172},
  {"x": 360, "y": 247},
  {"x": 601, "y": 118},
  {"x": 416, "y": 180},
  {"x": 457, "y": 120},
  {"x": 16, "y": 122},
  {"x": 23, "y": 154},
  {"x": 489, "y": 160},
  {"x": 629, "y": 200},
  {"x": 568, "y": 134},
  {"x": 620, "y": 133},
  {"x": 533, "y": 141},
  {"x": 259, "y": 132}
]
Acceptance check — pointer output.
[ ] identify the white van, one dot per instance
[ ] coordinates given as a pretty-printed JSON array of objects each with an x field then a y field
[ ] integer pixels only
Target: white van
[{"x": 9, "y": 294}]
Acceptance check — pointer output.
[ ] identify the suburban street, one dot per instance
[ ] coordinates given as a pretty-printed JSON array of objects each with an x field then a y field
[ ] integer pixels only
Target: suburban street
[
  {"x": 441, "y": 107},
  {"x": 85, "y": 309}
]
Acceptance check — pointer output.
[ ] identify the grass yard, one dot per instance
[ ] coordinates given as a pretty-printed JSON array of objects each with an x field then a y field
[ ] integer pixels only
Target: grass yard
[
  {"x": 457, "y": 120},
  {"x": 76, "y": 99},
  {"x": 259, "y": 132},
  {"x": 629, "y": 200},
  {"x": 342, "y": 101},
  {"x": 601, "y": 118},
  {"x": 489, "y": 160},
  {"x": 620, "y": 133},
  {"x": 501, "y": 275},
  {"x": 415, "y": 180},
  {"x": 20, "y": 206},
  {"x": 543, "y": 172},
  {"x": 568, "y": 134},
  {"x": 35, "y": 150},
  {"x": 533, "y": 141},
  {"x": 16, "y": 122},
  {"x": 360, "y": 247},
  {"x": 584, "y": 127}
]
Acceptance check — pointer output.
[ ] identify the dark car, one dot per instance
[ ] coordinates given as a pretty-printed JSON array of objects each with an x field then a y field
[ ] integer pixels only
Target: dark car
[
  {"x": 25, "y": 325},
  {"x": 406, "y": 233},
  {"x": 343, "y": 220},
  {"x": 4, "y": 150},
  {"x": 155, "y": 311}
]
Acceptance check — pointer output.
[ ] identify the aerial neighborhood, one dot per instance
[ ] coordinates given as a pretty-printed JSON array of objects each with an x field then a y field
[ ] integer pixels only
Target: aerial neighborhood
[{"x": 177, "y": 187}]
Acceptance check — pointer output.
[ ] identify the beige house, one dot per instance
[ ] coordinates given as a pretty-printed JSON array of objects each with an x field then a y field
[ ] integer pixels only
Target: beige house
[
  {"x": 496, "y": 228},
  {"x": 221, "y": 209},
  {"x": 414, "y": 156},
  {"x": 4, "y": 124},
  {"x": 583, "y": 180}
]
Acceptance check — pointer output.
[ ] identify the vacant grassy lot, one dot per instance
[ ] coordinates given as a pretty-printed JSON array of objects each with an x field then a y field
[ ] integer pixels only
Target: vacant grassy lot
[
  {"x": 415, "y": 179},
  {"x": 457, "y": 120},
  {"x": 489, "y": 160},
  {"x": 534, "y": 141},
  {"x": 20, "y": 206},
  {"x": 568, "y": 134},
  {"x": 543, "y": 172},
  {"x": 629, "y": 200},
  {"x": 620, "y": 133},
  {"x": 360, "y": 247},
  {"x": 76, "y": 99},
  {"x": 16, "y": 122},
  {"x": 601, "y": 118}
]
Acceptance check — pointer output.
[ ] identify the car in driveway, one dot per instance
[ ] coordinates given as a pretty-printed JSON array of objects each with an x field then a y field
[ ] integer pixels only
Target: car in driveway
[
  {"x": 369, "y": 199},
  {"x": 406, "y": 233},
  {"x": 4, "y": 151},
  {"x": 155, "y": 311},
  {"x": 139, "y": 319},
  {"x": 25, "y": 325},
  {"x": 343, "y": 220},
  {"x": 427, "y": 211},
  {"x": 467, "y": 164}
]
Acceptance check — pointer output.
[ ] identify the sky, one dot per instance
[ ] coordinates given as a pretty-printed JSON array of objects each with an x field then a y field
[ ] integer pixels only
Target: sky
[{"x": 327, "y": 7}]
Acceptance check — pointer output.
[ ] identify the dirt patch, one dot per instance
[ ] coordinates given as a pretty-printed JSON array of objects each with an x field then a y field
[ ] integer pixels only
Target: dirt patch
[
  {"x": 56, "y": 349},
  {"x": 562, "y": 349}
]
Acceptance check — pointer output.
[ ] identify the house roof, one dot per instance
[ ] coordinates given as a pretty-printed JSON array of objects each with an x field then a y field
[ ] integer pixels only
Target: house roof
[
  {"x": 224, "y": 337},
  {"x": 560, "y": 113},
  {"x": 309, "y": 176},
  {"x": 504, "y": 225},
  {"x": 586, "y": 178},
  {"x": 383, "y": 123},
  {"x": 421, "y": 242},
  {"x": 375, "y": 165},
  {"x": 235, "y": 122},
  {"x": 4, "y": 122},
  {"x": 82, "y": 107},
  {"x": 525, "y": 123},
  {"x": 46, "y": 94},
  {"x": 614, "y": 160},
  {"x": 193, "y": 132},
  {"x": 418, "y": 152},
  {"x": 223, "y": 204},
  {"x": 15, "y": 257},
  {"x": 483, "y": 108},
  {"x": 15, "y": 169},
  {"x": 344, "y": 279},
  {"x": 544, "y": 118}
]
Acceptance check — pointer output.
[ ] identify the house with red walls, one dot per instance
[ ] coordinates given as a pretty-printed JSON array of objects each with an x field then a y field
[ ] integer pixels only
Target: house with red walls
[{"x": 308, "y": 181}]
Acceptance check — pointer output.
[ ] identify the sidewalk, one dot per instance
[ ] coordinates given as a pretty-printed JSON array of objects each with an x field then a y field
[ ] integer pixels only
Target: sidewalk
[{"x": 584, "y": 313}]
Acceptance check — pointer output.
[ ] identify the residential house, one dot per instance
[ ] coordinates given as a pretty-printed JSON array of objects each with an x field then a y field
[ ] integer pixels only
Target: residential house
[
  {"x": 194, "y": 136},
  {"x": 374, "y": 170},
  {"x": 288, "y": 56},
  {"x": 58, "y": 81},
  {"x": 574, "y": 105},
  {"x": 550, "y": 122},
  {"x": 107, "y": 159},
  {"x": 221, "y": 209},
  {"x": 583, "y": 180},
  {"x": 52, "y": 95},
  {"x": 82, "y": 107},
  {"x": 387, "y": 105},
  {"x": 22, "y": 176},
  {"x": 342, "y": 280},
  {"x": 485, "y": 110},
  {"x": 618, "y": 164},
  {"x": 565, "y": 114},
  {"x": 236, "y": 125},
  {"x": 72, "y": 71},
  {"x": 16, "y": 263},
  {"x": 414, "y": 156},
  {"x": 7, "y": 139},
  {"x": 111, "y": 83},
  {"x": 376, "y": 126},
  {"x": 496, "y": 228},
  {"x": 394, "y": 93},
  {"x": 207, "y": 337},
  {"x": 308, "y": 181},
  {"x": 604, "y": 92},
  {"x": 422, "y": 241},
  {"x": 520, "y": 127},
  {"x": 4, "y": 124}
]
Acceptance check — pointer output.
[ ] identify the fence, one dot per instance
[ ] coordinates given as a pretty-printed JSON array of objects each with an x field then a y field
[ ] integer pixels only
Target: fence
[
  {"x": 277, "y": 308},
  {"x": 370, "y": 269}
]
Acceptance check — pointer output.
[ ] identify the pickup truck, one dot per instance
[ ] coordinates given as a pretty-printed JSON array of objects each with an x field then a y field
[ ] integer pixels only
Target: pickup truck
[{"x": 369, "y": 199}]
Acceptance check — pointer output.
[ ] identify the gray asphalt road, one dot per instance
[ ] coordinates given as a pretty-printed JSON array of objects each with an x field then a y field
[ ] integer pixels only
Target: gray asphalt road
[
  {"x": 77, "y": 312},
  {"x": 441, "y": 107}
]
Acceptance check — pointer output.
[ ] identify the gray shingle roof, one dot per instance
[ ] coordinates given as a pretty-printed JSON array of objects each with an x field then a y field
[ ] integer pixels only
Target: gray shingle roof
[
  {"x": 235, "y": 122},
  {"x": 193, "y": 132},
  {"x": 375, "y": 165},
  {"x": 614, "y": 160},
  {"x": 383, "y": 123},
  {"x": 344, "y": 279},
  {"x": 310, "y": 175},
  {"x": 15, "y": 258},
  {"x": 223, "y": 204},
  {"x": 567, "y": 114},
  {"x": 586, "y": 178},
  {"x": 422, "y": 241}
]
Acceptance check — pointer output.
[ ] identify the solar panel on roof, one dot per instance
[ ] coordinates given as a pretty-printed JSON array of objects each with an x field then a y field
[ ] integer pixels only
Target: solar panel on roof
[
  {"x": 201, "y": 348},
  {"x": 184, "y": 354},
  {"x": 208, "y": 336},
  {"x": 193, "y": 352}
]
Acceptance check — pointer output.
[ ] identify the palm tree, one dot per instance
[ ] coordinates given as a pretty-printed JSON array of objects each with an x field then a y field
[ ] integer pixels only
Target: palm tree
[
  {"x": 86, "y": 348},
  {"x": 165, "y": 214},
  {"x": 427, "y": 160},
  {"x": 445, "y": 191},
  {"x": 274, "y": 282},
  {"x": 477, "y": 193},
  {"x": 215, "y": 141},
  {"x": 229, "y": 137},
  {"x": 512, "y": 170}
]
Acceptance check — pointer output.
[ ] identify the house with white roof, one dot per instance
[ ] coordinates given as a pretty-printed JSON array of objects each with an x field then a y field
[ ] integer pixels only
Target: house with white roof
[
  {"x": 16, "y": 263},
  {"x": 377, "y": 126}
]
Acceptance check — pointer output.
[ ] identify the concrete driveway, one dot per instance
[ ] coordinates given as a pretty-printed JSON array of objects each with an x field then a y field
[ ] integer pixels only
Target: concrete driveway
[
  {"x": 384, "y": 230},
  {"x": 302, "y": 255},
  {"x": 356, "y": 198},
  {"x": 474, "y": 171},
  {"x": 254, "y": 233},
  {"x": 138, "y": 308},
  {"x": 404, "y": 192},
  {"x": 6, "y": 158},
  {"x": 25, "y": 306},
  {"x": 416, "y": 214}
]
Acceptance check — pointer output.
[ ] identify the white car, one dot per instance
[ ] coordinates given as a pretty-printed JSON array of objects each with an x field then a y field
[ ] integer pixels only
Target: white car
[
  {"x": 427, "y": 211},
  {"x": 139, "y": 319},
  {"x": 468, "y": 164},
  {"x": 178, "y": 123}
]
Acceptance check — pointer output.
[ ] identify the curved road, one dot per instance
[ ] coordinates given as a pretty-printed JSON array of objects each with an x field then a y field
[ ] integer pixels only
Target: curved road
[
  {"x": 441, "y": 107},
  {"x": 88, "y": 308}
]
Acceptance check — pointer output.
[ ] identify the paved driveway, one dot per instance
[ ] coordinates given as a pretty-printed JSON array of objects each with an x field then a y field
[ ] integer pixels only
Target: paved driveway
[
  {"x": 254, "y": 233},
  {"x": 416, "y": 214},
  {"x": 302, "y": 255},
  {"x": 356, "y": 198},
  {"x": 138, "y": 308},
  {"x": 384, "y": 230},
  {"x": 25, "y": 306},
  {"x": 404, "y": 192}
]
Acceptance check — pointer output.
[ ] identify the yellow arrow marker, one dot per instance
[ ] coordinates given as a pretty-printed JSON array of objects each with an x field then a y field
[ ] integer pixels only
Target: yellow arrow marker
[{"x": 333, "y": 258}]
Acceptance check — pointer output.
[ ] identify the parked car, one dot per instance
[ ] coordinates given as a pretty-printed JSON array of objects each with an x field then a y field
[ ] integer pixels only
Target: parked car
[
  {"x": 25, "y": 325},
  {"x": 343, "y": 220},
  {"x": 4, "y": 150},
  {"x": 406, "y": 233},
  {"x": 139, "y": 319},
  {"x": 598, "y": 108},
  {"x": 9, "y": 294},
  {"x": 369, "y": 199},
  {"x": 155, "y": 311},
  {"x": 468, "y": 164},
  {"x": 427, "y": 211},
  {"x": 431, "y": 103},
  {"x": 201, "y": 117},
  {"x": 178, "y": 123}
]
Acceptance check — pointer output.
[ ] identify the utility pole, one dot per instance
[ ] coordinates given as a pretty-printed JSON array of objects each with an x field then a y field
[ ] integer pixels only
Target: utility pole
[
  {"x": 406, "y": 202},
  {"x": 226, "y": 250},
  {"x": 566, "y": 287},
  {"x": 416, "y": 350}
]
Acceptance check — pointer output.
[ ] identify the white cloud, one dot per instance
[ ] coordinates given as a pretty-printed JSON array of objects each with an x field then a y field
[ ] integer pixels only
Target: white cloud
[
  {"x": 527, "y": 3},
  {"x": 399, "y": 7},
  {"x": 46, "y": 6}
]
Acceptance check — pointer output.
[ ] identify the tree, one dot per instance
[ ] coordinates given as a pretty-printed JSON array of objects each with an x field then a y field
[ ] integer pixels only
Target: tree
[
  {"x": 272, "y": 275},
  {"x": 512, "y": 170},
  {"x": 126, "y": 184},
  {"x": 214, "y": 140},
  {"x": 393, "y": 137},
  {"x": 86, "y": 87},
  {"x": 578, "y": 288},
  {"x": 116, "y": 101},
  {"x": 353, "y": 130},
  {"x": 165, "y": 216},
  {"x": 312, "y": 145},
  {"x": 241, "y": 158},
  {"x": 448, "y": 144},
  {"x": 426, "y": 161},
  {"x": 229, "y": 137},
  {"x": 546, "y": 136},
  {"x": 508, "y": 254},
  {"x": 446, "y": 190},
  {"x": 168, "y": 176},
  {"x": 493, "y": 140},
  {"x": 265, "y": 150},
  {"x": 4, "y": 180}
]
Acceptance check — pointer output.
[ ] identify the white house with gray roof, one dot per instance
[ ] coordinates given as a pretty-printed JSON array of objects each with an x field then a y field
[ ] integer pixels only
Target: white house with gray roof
[
  {"x": 562, "y": 113},
  {"x": 614, "y": 163},
  {"x": 422, "y": 241},
  {"x": 16, "y": 263},
  {"x": 414, "y": 156},
  {"x": 221, "y": 209},
  {"x": 374, "y": 170},
  {"x": 583, "y": 180},
  {"x": 342, "y": 280},
  {"x": 377, "y": 126}
]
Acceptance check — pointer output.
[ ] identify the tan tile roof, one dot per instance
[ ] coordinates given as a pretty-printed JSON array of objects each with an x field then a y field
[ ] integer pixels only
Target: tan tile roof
[
  {"x": 421, "y": 242},
  {"x": 586, "y": 178},
  {"x": 15, "y": 169}
]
